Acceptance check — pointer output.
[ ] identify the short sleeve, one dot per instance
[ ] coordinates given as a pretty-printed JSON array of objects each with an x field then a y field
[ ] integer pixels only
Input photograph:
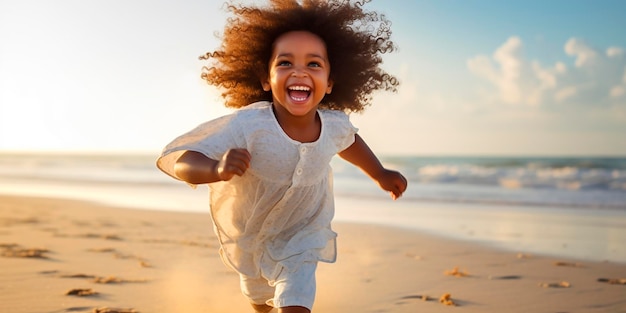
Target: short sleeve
[
  {"x": 341, "y": 129},
  {"x": 212, "y": 138}
]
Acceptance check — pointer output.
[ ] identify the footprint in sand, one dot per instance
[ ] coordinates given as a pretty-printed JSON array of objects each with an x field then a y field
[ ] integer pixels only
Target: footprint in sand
[
  {"x": 445, "y": 299},
  {"x": 104, "y": 280},
  {"x": 92, "y": 236},
  {"x": 7, "y": 246},
  {"x": 115, "y": 280},
  {"x": 18, "y": 221},
  {"x": 568, "y": 264},
  {"x": 114, "y": 310},
  {"x": 613, "y": 281},
  {"x": 14, "y": 251},
  {"x": 506, "y": 277},
  {"x": 77, "y": 309},
  {"x": 118, "y": 255},
  {"x": 101, "y": 236},
  {"x": 80, "y": 292},
  {"x": 102, "y": 250},
  {"x": 562, "y": 284},
  {"x": 456, "y": 272}
]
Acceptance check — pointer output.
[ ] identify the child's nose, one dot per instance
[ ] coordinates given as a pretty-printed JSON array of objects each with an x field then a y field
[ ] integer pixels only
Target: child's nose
[{"x": 298, "y": 71}]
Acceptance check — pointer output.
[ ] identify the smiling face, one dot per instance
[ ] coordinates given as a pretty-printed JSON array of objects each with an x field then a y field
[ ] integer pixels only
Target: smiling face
[{"x": 298, "y": 73}]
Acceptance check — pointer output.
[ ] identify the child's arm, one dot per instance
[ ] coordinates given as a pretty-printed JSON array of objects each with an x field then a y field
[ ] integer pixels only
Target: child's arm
[
  {"x": 196, "y": 168},
  {"x": 362, "y": 156}
]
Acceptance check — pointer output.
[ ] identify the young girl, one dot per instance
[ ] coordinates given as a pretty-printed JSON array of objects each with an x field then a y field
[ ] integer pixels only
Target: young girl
[{"x": 294, "y": 70}]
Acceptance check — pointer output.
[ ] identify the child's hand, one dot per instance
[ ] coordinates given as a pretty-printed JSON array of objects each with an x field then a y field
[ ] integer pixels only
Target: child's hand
[
  {"x": 393, "y": 182},
  {"x": 233, "y": 162}
]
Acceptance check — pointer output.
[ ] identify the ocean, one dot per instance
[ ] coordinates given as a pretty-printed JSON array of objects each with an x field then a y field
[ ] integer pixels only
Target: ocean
[
  {"x": 570, "y": 206},
  {"x": 524, "y": 181}
]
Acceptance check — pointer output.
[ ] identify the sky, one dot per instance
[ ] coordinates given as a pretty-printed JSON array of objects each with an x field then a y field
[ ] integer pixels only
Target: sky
[{"x": 478, "y": 77}]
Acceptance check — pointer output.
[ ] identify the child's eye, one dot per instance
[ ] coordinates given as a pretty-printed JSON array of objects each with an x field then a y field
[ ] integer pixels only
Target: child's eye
[
  {"x": 283, "y": 63},
  {"x": 315, "y": 64}
]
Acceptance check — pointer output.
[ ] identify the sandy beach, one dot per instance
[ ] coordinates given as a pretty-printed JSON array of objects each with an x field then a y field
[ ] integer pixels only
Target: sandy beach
[{"x": 74, "y": 256}]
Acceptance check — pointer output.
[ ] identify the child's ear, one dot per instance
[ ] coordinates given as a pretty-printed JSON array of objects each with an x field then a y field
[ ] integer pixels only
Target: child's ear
[
  {"x": 266, "y": 85},
  {"x": 329, "y": 89}
]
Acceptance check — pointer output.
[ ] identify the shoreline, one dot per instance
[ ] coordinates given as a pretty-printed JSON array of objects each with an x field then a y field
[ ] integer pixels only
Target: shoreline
[
  {"x": 159, "y": 261},
  {"x": 586, "y": 235}
]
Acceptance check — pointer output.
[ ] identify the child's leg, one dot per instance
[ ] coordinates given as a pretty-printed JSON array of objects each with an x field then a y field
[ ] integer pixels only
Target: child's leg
[
  {"x": 292, "y": 292},
  {"x": 262, "y": 308},
  {"x": 258, "y": 292},
  {"x": 294, "y": 309},
  {"x": 295, "y": 289}
]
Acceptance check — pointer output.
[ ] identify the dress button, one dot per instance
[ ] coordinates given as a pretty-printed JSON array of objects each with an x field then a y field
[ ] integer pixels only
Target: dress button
[
  {"x": 299, "y": 171},
  {"x": 303, "y": 150}
]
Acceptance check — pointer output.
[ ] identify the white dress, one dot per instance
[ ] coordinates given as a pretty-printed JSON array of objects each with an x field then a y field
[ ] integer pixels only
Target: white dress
[{"x": 278, "y": 214}]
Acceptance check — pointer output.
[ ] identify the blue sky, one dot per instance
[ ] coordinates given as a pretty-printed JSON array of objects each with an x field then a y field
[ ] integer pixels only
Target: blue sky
[{"x": 478, "y": 77}]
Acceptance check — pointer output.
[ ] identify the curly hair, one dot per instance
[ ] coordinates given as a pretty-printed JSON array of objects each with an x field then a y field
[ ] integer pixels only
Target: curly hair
[{"x": 355, "y": 41}]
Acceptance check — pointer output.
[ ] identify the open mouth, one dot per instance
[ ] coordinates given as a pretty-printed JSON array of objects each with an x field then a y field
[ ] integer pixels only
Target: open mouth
[{"x": 299, "y": 93}]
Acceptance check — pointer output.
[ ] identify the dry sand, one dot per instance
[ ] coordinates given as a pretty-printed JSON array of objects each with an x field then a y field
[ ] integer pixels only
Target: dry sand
[{"x": 71, "y": 256}]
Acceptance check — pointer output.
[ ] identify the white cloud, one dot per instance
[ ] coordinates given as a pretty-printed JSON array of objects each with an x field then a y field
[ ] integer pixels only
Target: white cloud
[
  {"x": 509, "y": 58},
  {"x": 614, "y": 52},
  {"x": 517, "y": 81},
  {"x": 520, "y": 97},
  {"x": 584, "y": 54},
  {"x": 619, "y": 90},
  {"x": 565, "y": 93},
  {"x": 595, "y": 79},
  {"x": 481, "y": 65}
]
